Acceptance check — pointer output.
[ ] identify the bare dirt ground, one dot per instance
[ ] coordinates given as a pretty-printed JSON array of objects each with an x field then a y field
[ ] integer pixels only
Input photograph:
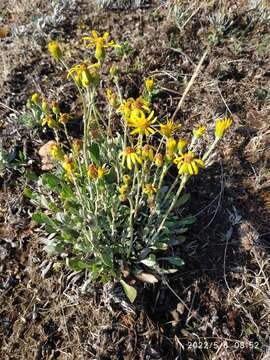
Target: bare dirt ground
[{"x": 218, "y": 305}]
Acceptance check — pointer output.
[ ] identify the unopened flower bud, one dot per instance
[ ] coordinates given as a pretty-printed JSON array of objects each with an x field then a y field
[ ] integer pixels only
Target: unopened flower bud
[
  {"x": 159, "y": 160},
  {"x": 55, "y": 108},
  {"x": 35, "y": 98},
  {"x": 55, "y": 50}
]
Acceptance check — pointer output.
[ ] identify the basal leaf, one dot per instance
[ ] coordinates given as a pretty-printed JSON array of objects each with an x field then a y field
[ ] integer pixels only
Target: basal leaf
[{"x": 129, "y": 290}]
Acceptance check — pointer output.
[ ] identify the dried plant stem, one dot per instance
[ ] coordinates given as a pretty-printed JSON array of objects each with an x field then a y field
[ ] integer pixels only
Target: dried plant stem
[{"x": 195, "y": 74}]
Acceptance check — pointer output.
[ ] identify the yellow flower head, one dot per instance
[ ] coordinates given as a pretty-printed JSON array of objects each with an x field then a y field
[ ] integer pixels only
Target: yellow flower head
[
  {"x": 126, "y": 107},
  {"x": 182, "y": 144},
  {"x": 102, "y": 171},
  {"x": 126, "y": 179},
  {"x": 130, "y": 156},
  {"x": 122, "y": 197},
  {"x": 100, "y": 42},
  {"x": 199, "y": 131},
  {"x": 149, "y": 189},
  {"x": 123, "y": 189},
  {"x": 141, "y": 123},
  {"x": 171, "y": 147},
  {"x": 35, "y": 98},
  {"x": 49, "y": 121},
  {"x": 158, "y": 160},
  {"x": 92, "y": 171},
  {"x": 76, "y": 146},
  {"x": 55, "y": 50},
  {"x": 64, "y": 118},
  {"x": 140, "y": 104},
  {"x": 85, "y": 74},
  {"x": 221, "y": 126},
  {"x": 168, "y": 129},
  {"x": 147, "y": 152},
  {"x": 188, "y": 164},
  {"x": 112, "y": 98},
  {"x": 149, "y": 84},
  {"x": 69, "y": 166},
  {"x": 56, "y": 152}
]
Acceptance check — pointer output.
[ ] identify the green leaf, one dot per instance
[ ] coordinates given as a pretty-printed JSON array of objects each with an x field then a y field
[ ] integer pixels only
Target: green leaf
[
  {"x": 107, "y": 258},
  {"x": 52, "y": 181},
  {"x": 77, "y": 265},
  {"x": 177, "y": 261},
  {"x": 150, "y": 261},
  {"x": 160, "y": 246},
  {"x": 44, "y": 219},
  {"x": 178, "y": 241},
  {"x": 31, "y": 175},
  {"x": 95, "y": 154},
  {"x": 187, "y": 221},
  {"x": 130, "y": 291},
  {"x": 182, "y": 200},
  {"x": 27, "y": 192}
]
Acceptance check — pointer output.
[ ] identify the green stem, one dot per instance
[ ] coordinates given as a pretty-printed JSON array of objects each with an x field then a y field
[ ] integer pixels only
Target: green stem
[
  {"x": 181, "y": 187},
  {"x": 131, "y": 233},
  {"x": 208, "y": 153}
]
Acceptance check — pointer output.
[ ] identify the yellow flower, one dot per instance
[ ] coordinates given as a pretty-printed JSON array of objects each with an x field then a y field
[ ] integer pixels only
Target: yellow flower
[
  {"x": 142, "y": 124},
  {"x": 35, "y": 98},
  {"x": 149, "y": 84},
  {"x": 199, "y": 131},
  {"x": 123, "y": 189},
  {"x": 49, "y": 121},
  {"x": 171, "y": 148},
  {"x": 112, "y": 98},
  {"x": 76, "y": 146},
  {"x": 85, "y": 74},
  {"x": 55, "y": 50},
  {"x": 64, "y": 118},
  {"x": 92, "y": 171},
  {"x": 122, "y": 198},
  {"x": 168, "y": 129},
  {"x": 125, "y": 108},
  {"x": 158, "y": 160},
  {"x": 221, "y": 126},
  {"x": 149, "y": 189},
  {"x": 102, "y": 171},
  {"x": 140, "y": 104},
  {"x": 69, "y": 166},
  {"x": 130, "y": 157},
  {"x": 147, "y": 152},
  {"x": 100, "y": 42},
  {"x": 56, "y": 152},
  {"x": 132, "y": 107},
  {"x": 182, "y": 144},
  {"x": 126, "y": 179},
  {"x": 188, "y": 164},
  {"x": 171, "y": 145}
]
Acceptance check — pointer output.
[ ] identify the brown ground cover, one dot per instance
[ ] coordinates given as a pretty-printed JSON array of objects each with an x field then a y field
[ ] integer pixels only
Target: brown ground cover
[{"x": 217, "y": 306}]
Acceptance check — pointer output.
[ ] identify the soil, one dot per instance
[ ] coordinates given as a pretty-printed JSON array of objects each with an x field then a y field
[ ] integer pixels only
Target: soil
[{"x": 213, "y": 308}]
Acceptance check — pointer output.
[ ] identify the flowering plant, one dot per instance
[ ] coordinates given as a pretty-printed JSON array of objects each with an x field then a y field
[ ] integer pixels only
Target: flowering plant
[{"x": 109, "y": 204}]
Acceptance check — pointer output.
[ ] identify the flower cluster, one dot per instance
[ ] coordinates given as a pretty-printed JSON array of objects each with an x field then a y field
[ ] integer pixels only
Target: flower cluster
[{"x": 112, "y": 188}]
